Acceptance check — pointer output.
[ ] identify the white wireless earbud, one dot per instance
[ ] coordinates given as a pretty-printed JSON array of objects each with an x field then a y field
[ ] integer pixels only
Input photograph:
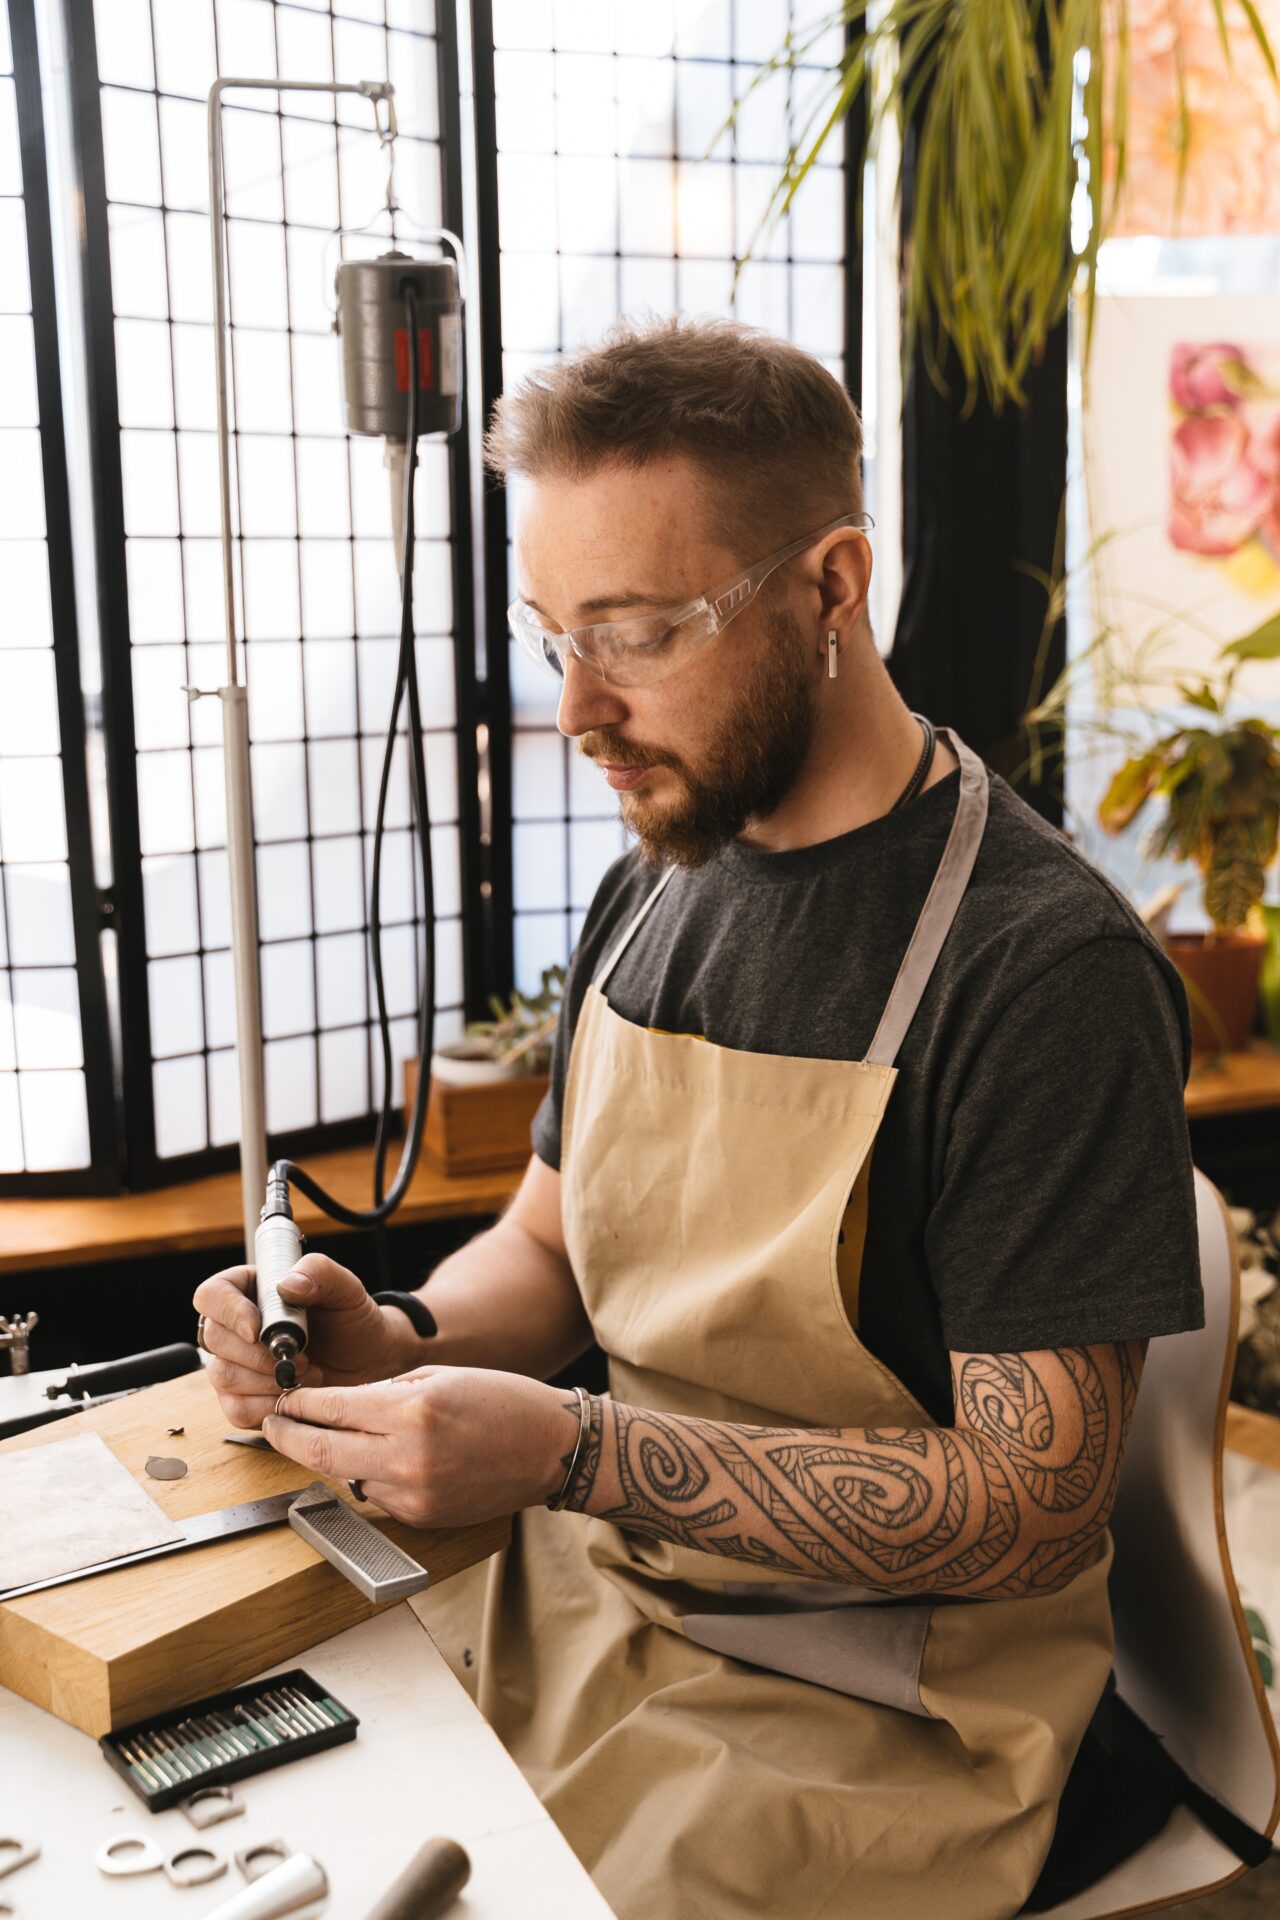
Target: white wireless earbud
[{"x": 832, "y": 656}]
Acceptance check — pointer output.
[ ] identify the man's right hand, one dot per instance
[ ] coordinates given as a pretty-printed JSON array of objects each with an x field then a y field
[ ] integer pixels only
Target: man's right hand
[{"x": 350, "y": 1339}]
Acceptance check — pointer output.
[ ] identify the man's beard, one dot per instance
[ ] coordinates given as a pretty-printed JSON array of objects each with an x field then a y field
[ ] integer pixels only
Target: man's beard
[{"x": 745, "y": 770}]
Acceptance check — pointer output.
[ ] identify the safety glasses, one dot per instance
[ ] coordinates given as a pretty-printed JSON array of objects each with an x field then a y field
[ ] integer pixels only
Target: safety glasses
[{"x": 635, "y": 653}]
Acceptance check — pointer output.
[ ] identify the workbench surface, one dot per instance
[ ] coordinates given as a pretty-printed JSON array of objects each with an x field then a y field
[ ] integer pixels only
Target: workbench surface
[{"x": 424, "y": 1763}]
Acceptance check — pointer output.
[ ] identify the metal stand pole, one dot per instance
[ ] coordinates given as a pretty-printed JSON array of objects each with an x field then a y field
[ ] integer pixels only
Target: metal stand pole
[{"x": 235, "y": 712}]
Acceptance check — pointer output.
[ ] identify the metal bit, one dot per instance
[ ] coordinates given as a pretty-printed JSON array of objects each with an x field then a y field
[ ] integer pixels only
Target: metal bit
[
  {"x": 306, "y": 1706},
  {"x": 261, "y": 1731},
  {"x": 160, "y": 1758},
  {"x": 276, "y": 1721},
  {"x": 237, "y": 1735},
  {"x": 221, "y": 1742},
  {"x": 293, "y": 1718},
  {"x": 196, "y": 1740},
  {"x": 184, "y": 1762},
  {"x": 150, "y": 1772}
]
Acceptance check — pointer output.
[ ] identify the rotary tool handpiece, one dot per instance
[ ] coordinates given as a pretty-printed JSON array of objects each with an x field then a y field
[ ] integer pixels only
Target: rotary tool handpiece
[{"x": 277, "y": 1248}]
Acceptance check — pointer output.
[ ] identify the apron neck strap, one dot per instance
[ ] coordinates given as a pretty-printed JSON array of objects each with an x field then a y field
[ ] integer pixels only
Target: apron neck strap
[
  {"x": 939, "y": 910},
  {"x": 601, "y": 979}
]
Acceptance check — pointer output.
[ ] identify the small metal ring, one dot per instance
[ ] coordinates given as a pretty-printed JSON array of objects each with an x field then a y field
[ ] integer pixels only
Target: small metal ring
[
  {"x": 284, "y": 1395},
  {"x": 357, "y": 1488},
  {"x": 201, "y": 1342}
]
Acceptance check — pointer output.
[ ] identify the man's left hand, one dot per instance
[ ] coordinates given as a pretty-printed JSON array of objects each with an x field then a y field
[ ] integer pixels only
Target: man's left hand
[{"x": 438, "y": 1447}]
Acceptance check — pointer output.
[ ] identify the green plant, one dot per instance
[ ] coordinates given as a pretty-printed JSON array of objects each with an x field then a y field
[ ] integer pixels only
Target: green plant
[
  {"x": 1006, "y": 100},
  {"x": 525, "y": 1027}
]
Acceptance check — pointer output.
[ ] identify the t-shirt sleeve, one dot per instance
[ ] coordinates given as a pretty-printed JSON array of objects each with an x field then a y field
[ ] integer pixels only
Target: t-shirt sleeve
[{"x": 1067, "y": 1210}]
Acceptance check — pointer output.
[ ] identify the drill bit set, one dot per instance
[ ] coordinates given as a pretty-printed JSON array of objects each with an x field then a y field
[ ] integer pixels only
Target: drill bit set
[{"x": 226, "y": 1737}]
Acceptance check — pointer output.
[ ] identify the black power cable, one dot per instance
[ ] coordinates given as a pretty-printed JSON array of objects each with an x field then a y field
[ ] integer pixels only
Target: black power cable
[{"x": 386, "y": 1202}]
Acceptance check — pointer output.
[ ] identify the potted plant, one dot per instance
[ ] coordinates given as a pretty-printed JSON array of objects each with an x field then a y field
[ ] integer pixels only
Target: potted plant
[{"x": 487, "y": 1086}]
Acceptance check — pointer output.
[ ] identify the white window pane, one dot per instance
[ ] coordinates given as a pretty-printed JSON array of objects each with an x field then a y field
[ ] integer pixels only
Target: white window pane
[
  {"x": 446, "y": 870},
  {"x": 585, "y": 24},
  {"x": 432, "y": 588},
  {"x": 538, "y": 776},
  {"x": 195, "y": 390},
  {"x": 257, "y": 266},
  {"x": 21, "y": 483},
  {"x": 215, "y": 897},
  {"x": 284, "y": 892},
  {"x": 762, "y": 119},
  {"x": 209, "y": 780},
  {"x": 150, "y": 482},
  {"x": 431, "y": 491},
  {"x": 139, "y": 285},
  {"x": 541, "y": 941},
  {"x": 184, "y": 153},
  {"x": 649, "y": 29},
  {"x": 275, "y": 690},
  {"x": 32, "y": 822},
  {"x": 339, "y": 885},
  {"x": 442, "y": 778},
  {"x": 246, "y": 43},
  {"x": 206, "y": 668},
  {"x": 329, "y": 672},
  {"x": 535, "y": 693},
  {"x": 312, "y": 260},
  {"x": 190, "y": 270},
  {"x": 288, "y": 998},
  {"x": 335, "y": 786},
  {"x": 539, "y": 862},
  {"x": 399, "y": 972},
  {"x": 159, "y": 704},
  {"x": 411, "y": 68},
  {"x": 165, "y": 817},
  {"x": 530, "y": 302},
  {"x": 154, "y": 570},
  {"x": 755, "y": 230},
  {"x": 397, "y": 805},
  {"x": 24, "y": 594},
  {"x": 588, "y": 299},
  {"x": 344, "y": 1074},
  {"x": 200, "y": 485},
  {"x": 704, "y": 98},
  {"x": 266, "y": 486},
  {"x": 819, "y": 309},
  {"x": 131, "y": 147},
  {"x": 704, "y": 28},
  {"x": 323, "y": 504},
  {"x": 525, "y": 102},
  {"x": 177, "y": 1090},
  {"x": 289, "y": 1069},
  {"x": 205, "y": 595},
  {"x": 10, "y": 155},
  {"x": 219, "y": 1000},
  {"x": 399, "y": 867},
  {"x": 12, "y": 1158},
  {"x": 270, "y": 589},
  {"x": 340, "y": 969},
  {"x": 173, "y": 995},
  {"x": 705, "y": 286},
  {"x": 647, "y": 286},
  {"x": 377, "y": 587},
  {"x": 317, "y": 386},
  {"x": 764, "y": 296},
  {"x": 224, "y": 1099},
  {"x": 18, "y": 406},
  {"x": 251, "y": 147},
  {"x": 305, "y": 54},
  {"x": 326, "y": 589},
  {"x": 28, "y": 701},
  {"x": 15, "y": 284},
  {"x": 311, "y": 172},
  {"x": 370, "y": 487},
  {"x": 448, "y": 963},
  {"x": 185, "y": 58},
  {"x": 8, "y": 1050},
  {"x": 122, "y": 32},
  {"x": 646, "y": 211},
  {"x": 46, "y": 1017},
  {"x": 593, "y": 847},
  {"x": 527, "y": 201},
  {"x": 760, "y": 28},
  {"x": 646, "y": 107},
  {"x": 705, "y": 208},
  {"x": 404, "y": 1042},
  {"x": 55, "y": 1120},
  {"x": 169, "y": 902},
  {"x": 435, "y": 682},
  {"x": 358, "y": 49},
  {"x": 585, "y": 115},
  {"x": 38, "y": 903},
  {"x": 522, "y": 23},
  {"x": 262, "y": 381},
  {"x": 279, "y": 791},
  {"x": 589, "y": 793},
  {"x": 817, "y": 215}
]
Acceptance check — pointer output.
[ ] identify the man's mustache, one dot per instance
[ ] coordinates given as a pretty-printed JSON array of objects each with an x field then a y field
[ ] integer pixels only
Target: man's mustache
[{"x": 620, "y": 753}]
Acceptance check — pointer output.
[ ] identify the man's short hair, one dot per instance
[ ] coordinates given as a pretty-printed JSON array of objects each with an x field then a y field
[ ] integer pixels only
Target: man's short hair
[{"x": 778, "y": 437}]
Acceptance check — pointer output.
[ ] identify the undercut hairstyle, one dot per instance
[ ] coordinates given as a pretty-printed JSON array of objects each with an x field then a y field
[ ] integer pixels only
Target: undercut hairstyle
[{"x": 776, "y": 435}]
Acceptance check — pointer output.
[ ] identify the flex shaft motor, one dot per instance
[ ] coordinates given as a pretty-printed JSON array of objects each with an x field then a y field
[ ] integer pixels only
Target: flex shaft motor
[{"x": 277, "y": 1249}]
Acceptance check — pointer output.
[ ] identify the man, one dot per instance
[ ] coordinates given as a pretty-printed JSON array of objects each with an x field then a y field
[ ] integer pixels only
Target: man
[{"x": 808, "y": 1614}]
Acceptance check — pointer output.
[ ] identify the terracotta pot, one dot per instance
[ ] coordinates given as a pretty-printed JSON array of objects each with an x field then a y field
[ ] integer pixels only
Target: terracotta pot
[{"x": 1220, "y": 972}]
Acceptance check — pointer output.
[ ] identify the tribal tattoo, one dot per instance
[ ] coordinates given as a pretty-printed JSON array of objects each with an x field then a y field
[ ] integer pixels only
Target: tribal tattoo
[{"x": 1009, "y": 1501}]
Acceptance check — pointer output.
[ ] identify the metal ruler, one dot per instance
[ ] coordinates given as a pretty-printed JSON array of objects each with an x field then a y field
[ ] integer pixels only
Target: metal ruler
[{"x": 201, "y": 1530}]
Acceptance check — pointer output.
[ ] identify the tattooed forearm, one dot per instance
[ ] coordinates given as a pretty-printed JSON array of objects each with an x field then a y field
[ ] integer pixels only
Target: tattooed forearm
[{"x": 1010, "y": 1500}]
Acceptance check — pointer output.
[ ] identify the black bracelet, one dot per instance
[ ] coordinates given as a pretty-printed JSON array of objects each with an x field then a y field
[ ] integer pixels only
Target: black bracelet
[{"x": 416, "y": 1309}]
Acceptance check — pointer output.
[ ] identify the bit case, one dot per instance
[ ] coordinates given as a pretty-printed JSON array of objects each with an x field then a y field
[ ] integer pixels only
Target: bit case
[{"x": 163, "y": 1728}]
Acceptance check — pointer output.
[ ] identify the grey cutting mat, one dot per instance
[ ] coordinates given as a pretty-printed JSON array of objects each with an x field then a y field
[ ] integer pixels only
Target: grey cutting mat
[{"x": 69, "y": 1504}]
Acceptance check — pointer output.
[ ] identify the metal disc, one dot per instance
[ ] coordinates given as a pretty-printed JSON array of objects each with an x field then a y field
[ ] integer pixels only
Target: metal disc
[{"x": 161, "y": 1468}]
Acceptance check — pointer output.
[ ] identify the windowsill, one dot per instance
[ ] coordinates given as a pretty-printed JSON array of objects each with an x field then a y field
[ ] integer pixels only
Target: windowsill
[{"x": 66, "y": 1232}]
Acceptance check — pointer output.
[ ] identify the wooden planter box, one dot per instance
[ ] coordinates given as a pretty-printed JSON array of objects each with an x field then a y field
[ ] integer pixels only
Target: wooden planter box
[{"x": 477, "y": 1129}]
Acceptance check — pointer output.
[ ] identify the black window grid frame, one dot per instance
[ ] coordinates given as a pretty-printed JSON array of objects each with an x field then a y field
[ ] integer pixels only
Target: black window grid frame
[
  {"x": 91, "y": 910},
  {"x": 142, "y": 1165}
]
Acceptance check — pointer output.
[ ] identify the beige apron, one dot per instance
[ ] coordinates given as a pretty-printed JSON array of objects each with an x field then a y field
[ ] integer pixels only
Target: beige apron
[{"x": 713, "y": 1740}]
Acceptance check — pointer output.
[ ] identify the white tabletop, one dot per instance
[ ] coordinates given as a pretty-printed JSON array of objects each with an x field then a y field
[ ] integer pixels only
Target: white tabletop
[{"x": 424, "y": 1763}]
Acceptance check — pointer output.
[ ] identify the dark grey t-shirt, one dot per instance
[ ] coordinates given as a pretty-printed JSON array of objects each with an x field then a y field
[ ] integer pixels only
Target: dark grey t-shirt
[{"x": 1031, "y": 1182}]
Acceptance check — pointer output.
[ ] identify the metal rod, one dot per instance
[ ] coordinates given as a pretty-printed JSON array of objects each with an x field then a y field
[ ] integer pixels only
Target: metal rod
[{"x": 235, "y": 716}]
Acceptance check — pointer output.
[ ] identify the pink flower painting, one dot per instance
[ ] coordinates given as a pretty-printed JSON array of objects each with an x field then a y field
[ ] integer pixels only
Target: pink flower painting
[{"x": 1224, "y": 449}]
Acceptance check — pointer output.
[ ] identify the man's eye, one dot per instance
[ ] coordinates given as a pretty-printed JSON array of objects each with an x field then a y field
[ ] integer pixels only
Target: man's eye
[{"x": 651, "y": 640}]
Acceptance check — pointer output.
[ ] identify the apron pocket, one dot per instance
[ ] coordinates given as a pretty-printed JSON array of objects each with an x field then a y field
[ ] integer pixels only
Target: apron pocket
[{"x": 869, "y": 1652}]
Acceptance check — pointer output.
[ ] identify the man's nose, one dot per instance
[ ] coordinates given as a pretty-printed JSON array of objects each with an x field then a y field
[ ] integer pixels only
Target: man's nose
[{"x": 586, "y": 701}]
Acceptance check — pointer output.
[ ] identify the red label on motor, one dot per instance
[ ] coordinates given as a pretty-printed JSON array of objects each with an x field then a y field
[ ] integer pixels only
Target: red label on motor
[{"x": 426, "y": 372}]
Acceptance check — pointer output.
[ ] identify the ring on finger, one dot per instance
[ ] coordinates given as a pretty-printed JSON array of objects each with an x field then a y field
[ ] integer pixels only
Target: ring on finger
[
  {"x": 283, "y": 1397},
  {"x": 357, "y": 1488},
  {"x": 201, "y": 1342}
]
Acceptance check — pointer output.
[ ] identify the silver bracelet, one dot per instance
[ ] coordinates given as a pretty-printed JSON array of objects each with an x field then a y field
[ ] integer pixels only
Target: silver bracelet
[{"x": 584, "y": 1423}]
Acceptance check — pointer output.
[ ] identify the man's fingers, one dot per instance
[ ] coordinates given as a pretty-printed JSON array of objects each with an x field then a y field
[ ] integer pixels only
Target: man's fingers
[
  {"x": 240, "y": 1353},
  {"x": 318, "y": 1281},
  {"x": 221, "y": 1299},
  {"x": 228, "y": 1379},
  {"x": 328, "y": 1451},
  {"x": 373, "y": 1409}
]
